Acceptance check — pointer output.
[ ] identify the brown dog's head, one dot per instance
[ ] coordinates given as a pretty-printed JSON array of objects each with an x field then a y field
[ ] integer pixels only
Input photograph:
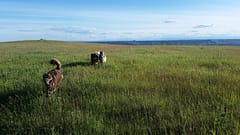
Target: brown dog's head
[{"x": 48, "y": 81}]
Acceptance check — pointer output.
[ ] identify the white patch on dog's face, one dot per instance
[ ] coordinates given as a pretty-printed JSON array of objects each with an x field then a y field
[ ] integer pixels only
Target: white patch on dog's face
[{"x": 47, "y": 79}]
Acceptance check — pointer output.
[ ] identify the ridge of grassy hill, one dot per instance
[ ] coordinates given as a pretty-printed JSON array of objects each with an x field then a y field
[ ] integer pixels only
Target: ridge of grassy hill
[{"x": 140, "y": 90}]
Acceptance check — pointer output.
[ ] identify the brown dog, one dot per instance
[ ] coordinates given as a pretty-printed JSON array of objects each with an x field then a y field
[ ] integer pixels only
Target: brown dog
[{"x": 53, "y": 78}]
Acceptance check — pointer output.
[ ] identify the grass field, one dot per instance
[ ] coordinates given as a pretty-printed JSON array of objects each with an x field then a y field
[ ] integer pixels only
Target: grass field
[{"x": 140, "y": 90}]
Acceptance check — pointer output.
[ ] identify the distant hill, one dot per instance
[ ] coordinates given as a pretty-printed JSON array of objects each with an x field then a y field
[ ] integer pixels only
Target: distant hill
[{"x": 209, "y": 42}]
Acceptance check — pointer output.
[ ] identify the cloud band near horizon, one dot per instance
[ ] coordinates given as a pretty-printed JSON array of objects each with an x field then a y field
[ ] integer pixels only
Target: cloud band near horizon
[{"x": 19, "y": 23}]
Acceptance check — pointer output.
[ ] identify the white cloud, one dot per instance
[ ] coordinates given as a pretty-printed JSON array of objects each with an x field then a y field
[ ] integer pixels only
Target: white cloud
[
  {"x": 202, "y": 26},
  {"x": 169, "y": 21}
]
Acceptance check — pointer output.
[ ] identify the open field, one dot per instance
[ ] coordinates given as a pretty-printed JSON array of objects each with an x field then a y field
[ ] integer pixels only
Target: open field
[{"x": 140, "y": 90}]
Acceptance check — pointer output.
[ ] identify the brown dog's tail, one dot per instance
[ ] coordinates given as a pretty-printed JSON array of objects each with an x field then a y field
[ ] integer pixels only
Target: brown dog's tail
[{"x": 57, "y": 63}]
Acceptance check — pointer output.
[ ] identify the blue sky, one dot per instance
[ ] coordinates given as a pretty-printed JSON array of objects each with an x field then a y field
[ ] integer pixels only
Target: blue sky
[{"x": 94, "y": 20}]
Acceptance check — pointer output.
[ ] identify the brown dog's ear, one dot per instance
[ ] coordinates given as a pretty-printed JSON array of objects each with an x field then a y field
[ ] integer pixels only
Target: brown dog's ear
[{"x": 45, "y": 75}]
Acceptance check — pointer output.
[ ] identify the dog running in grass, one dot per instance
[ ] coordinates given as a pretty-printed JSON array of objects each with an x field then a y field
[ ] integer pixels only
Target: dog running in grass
[
  {"x": 97, "y": 57},
  {"x": 53, "y": 78}
]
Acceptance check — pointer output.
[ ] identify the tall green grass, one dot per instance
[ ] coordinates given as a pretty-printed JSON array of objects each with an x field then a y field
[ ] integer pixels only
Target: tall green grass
[{"x": 140, "y": 90}]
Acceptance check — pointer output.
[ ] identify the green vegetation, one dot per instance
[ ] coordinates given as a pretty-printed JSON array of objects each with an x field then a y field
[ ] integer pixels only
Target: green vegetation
[{"x": 140, "y": 90}]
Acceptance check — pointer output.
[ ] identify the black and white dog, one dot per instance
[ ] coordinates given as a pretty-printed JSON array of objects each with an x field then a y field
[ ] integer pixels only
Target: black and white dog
[{"x": 97, "y": 57}]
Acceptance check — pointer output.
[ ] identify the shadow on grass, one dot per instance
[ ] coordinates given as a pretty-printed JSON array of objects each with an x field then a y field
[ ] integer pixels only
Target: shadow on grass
[
  {"x": 14, "y": 103},
  {"x": 14, "y": 99},
  {"x": 75, "y": 64}
]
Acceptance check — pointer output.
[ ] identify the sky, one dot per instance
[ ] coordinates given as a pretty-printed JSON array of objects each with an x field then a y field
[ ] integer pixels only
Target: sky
[{"x": 111, "y": 20}]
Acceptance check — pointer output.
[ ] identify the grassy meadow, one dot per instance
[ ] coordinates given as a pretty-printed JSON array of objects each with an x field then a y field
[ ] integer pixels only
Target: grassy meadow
[{"x": 140, "y": 90}]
